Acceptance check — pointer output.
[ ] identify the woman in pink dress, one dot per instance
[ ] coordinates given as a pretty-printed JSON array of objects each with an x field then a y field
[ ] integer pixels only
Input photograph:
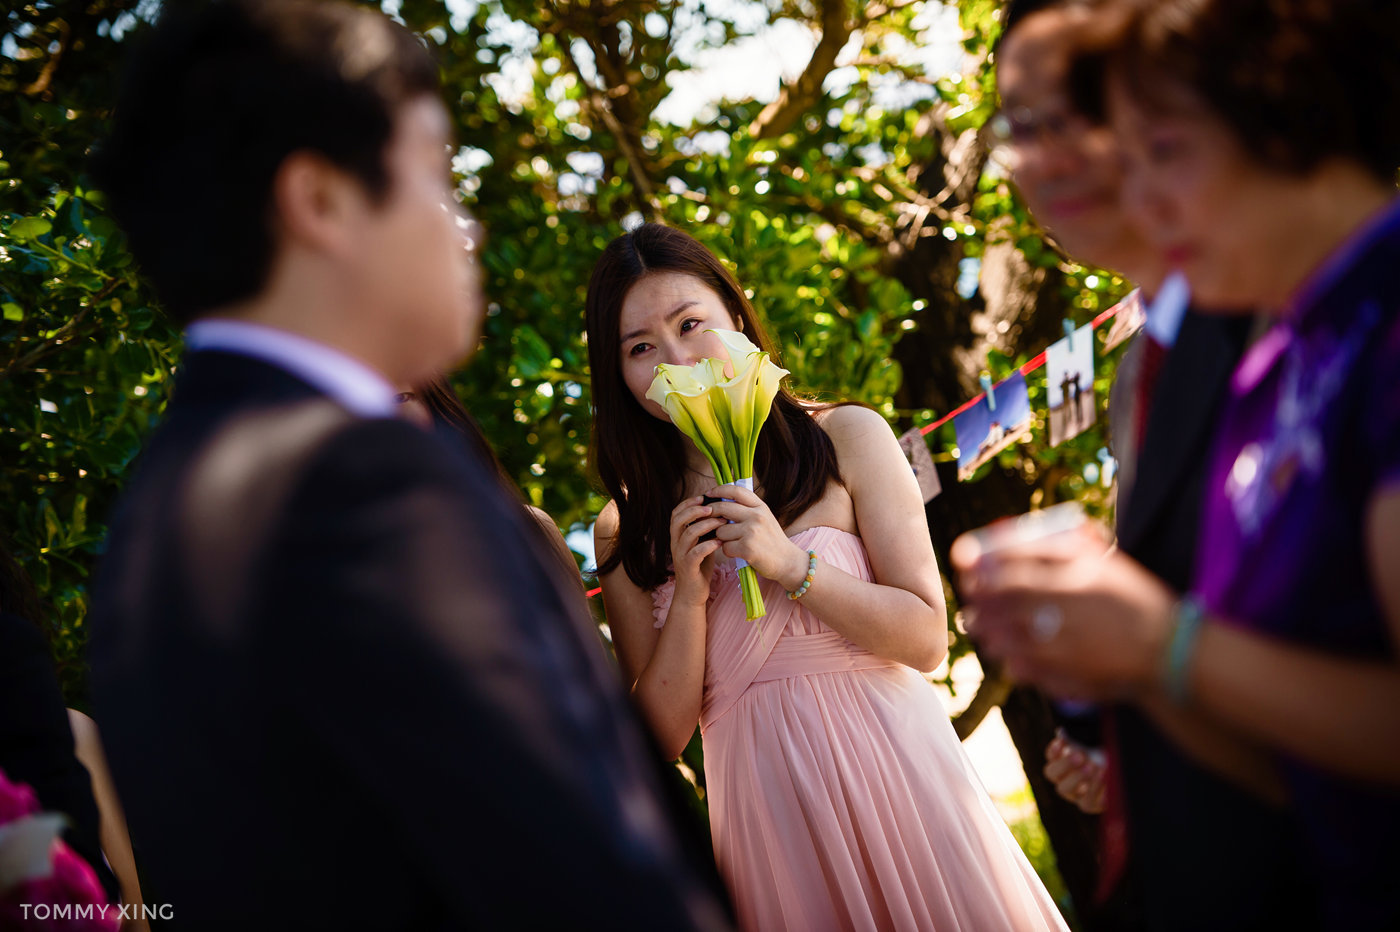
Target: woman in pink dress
[{"x": 839, "y": 795}]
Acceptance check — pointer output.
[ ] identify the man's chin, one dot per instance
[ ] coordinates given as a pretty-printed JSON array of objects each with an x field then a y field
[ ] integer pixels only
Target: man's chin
[
  {"x": 460, "y": 356},
  {"x": 441, "y": 358},
  {"x": 470, "y": 343},
  {"x": 457, "y": 349}
]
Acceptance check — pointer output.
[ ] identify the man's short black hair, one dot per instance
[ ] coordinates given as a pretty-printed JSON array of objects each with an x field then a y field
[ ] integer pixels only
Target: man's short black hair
[{"x": 214, "y": 100}]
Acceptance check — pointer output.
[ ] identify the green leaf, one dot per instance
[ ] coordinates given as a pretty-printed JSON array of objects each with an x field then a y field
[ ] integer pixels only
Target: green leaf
[
  {"x": 78, "y": 524},
  {"x": 29, "y": 228},
  {"x": 534, "y": 354},
  {"x": 53, "y": 528},
  {"x": 13, "y": 311}
]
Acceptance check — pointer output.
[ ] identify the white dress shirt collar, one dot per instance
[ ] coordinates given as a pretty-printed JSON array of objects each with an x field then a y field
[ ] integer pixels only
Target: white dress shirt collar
[
  {"x": 1168, "y": 309},
  {"x": 349, "y": 381}
]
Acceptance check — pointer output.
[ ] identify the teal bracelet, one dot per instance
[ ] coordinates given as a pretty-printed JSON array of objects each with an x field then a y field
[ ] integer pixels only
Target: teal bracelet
[
  {"x": 1187, "y": 616},
  {"x": 806, "y": 583}
]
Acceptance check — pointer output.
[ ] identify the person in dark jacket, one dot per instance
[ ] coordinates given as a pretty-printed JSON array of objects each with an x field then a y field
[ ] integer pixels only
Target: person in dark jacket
[{"x": 342, "y": 686}]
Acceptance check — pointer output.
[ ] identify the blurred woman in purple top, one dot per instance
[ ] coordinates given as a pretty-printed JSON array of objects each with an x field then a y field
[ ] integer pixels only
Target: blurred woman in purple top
[{"x": 1262, "y": 148}]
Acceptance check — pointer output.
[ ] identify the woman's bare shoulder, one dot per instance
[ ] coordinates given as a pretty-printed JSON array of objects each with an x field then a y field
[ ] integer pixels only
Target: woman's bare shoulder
[
  {"x": 606, "y": 526},
  {"x": 851, "y": 423}
]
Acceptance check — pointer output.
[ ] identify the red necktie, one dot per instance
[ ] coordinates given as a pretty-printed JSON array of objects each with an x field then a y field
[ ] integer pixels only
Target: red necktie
[
  {"x": 1113, "y": 824},
  {"x": 1154, "y": 354}
]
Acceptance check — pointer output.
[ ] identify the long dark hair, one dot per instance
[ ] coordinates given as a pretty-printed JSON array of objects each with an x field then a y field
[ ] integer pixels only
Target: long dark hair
[
  {"x": 639, "y": 458},
  {"x": 449, "y": 414},
  {"x": 445, "y": 405}
]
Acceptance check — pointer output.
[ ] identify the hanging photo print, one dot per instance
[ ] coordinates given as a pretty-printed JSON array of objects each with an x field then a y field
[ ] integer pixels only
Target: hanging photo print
[
  {"x": 991, "y": 425},
  {"x": 916, "y": 452},
  {"x": 1069, "y": 384},
  {"x": 1129, "y": 317}
]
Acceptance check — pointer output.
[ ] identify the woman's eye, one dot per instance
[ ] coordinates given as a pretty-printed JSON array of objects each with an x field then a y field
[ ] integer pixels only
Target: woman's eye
[
  {"x": 638, "y": 349},
  {"x": 690, "y": 324}
]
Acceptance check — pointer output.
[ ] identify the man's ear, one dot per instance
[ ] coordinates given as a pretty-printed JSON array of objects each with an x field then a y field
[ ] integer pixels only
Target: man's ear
[{"x": 316, "y": 203}]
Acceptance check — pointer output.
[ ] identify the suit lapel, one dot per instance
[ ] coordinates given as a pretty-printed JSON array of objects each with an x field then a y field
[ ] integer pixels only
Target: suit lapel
[{"x": 1184, "y": 408}]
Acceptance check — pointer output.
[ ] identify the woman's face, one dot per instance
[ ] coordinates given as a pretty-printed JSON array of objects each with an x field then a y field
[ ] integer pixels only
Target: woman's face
[
  {"x": 664, "y": 319},
  {"x": 1228, "y": 223}
]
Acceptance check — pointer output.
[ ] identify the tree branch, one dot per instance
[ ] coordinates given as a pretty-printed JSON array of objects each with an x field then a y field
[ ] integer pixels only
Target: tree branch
[
  {"x": 876, "y": 10},
  {"x": 991, "y": 693},
  {"x": 65, "y": 332},
  {"x": 627, "y": 142},
  {"x": 65, "y": 42},
  {"x": 798, "y": 97},
  {"x": 617, "y": 103},
  {"x": 27, "y": 361}
]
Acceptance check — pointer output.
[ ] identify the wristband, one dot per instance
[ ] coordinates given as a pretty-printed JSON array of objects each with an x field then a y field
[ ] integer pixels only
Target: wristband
[{"x": 1188, "y": 616}]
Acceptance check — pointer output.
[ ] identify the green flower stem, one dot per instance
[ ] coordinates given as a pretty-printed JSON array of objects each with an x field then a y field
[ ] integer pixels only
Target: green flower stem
[{"x": 753, "y": 599}]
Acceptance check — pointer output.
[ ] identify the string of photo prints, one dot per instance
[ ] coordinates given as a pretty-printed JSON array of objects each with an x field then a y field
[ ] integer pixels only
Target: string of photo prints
[{"x": 1000, "y": 414}]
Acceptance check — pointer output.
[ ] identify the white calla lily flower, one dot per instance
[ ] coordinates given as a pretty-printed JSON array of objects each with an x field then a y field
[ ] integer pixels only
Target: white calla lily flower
[{"x": 723, "y": 415}]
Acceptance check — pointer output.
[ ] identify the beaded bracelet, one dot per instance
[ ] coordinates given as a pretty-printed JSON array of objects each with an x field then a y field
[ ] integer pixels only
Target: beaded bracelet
[
  {"x": 1187, "y": 615},
  {"x": 806, "y": 583}
]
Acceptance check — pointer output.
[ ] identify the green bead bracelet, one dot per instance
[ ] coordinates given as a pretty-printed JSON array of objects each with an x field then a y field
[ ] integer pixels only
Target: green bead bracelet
[{"x": 806, "y": 583}]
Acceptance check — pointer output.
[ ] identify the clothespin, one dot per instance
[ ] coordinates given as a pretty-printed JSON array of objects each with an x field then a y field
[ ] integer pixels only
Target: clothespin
[
  {"x": 986, "y": 381},
  {"x": 1069, "y": 333},
  {"x": 1109, "y": 468}
]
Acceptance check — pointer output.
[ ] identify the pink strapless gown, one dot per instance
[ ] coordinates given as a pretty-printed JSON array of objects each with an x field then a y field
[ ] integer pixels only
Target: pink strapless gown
[{"x": 839, "y": 794}]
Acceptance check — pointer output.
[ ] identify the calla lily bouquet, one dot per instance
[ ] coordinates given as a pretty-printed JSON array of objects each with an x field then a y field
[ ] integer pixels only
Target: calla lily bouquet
[{"x": 723, "y": 416}]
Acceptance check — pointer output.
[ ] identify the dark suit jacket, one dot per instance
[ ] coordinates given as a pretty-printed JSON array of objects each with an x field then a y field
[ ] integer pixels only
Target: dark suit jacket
[
  {"x": 340, "y": 687},
  {"x": 1203, "y": 853},
  {"x": 36, "y": 742}
]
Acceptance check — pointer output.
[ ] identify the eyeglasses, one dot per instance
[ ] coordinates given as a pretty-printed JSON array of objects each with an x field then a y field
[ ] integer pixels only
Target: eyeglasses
[{"x": 1011, "y": 134}]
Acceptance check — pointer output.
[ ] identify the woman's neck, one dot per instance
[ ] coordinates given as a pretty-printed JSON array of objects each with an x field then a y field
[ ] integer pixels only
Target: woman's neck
[{"x": 1335, "y": 202}]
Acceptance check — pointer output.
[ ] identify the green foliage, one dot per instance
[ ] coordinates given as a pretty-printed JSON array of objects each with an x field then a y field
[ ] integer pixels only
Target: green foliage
[
  {"x": 84, "y": 355},
  {"x": 85, "y": 363},
  {"x": 845, "y": 215}
]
